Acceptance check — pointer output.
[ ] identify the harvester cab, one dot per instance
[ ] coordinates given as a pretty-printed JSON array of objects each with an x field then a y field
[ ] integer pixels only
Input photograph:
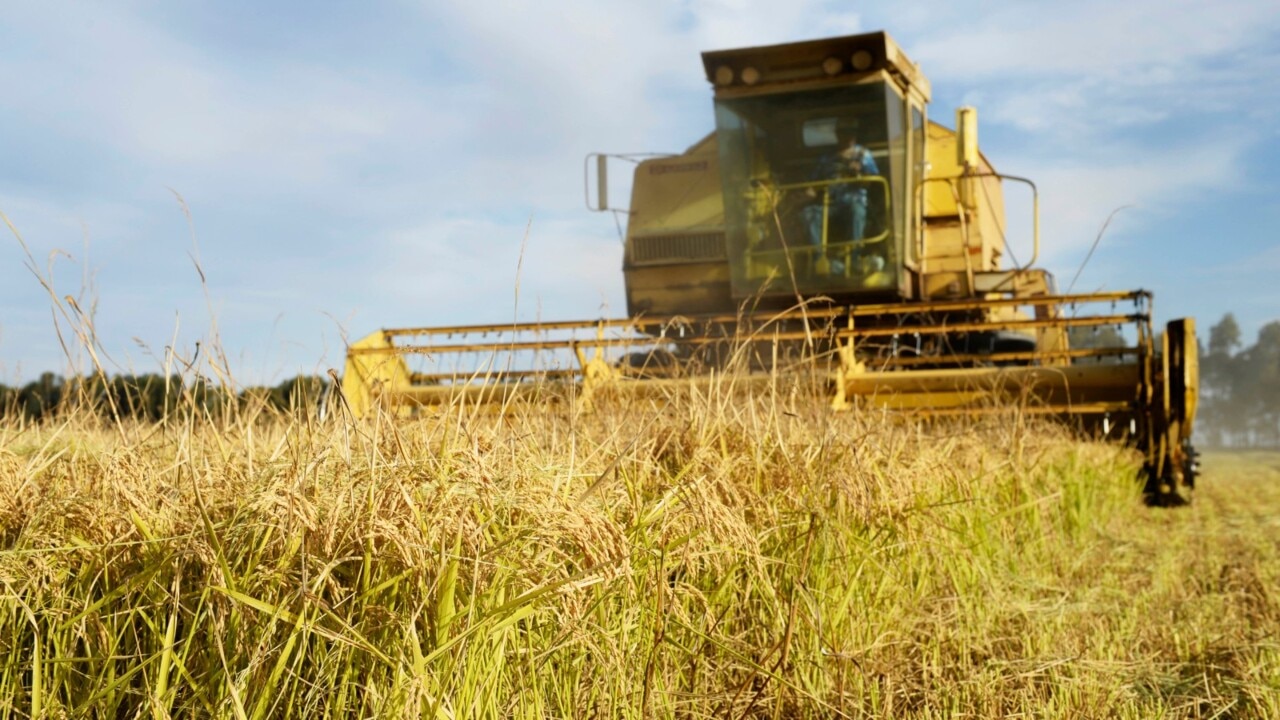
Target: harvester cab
[
  {"x": 815, "y": 164},
  {"x": 826, "y": 218},
  {"x": 823, "y": 178}
]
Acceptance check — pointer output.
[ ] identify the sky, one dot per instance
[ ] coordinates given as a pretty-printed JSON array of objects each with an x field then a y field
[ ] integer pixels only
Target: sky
[{"x": 277, "y": 179}]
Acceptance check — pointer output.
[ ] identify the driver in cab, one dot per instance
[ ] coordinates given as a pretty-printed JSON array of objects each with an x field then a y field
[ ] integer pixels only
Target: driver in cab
[{"x": 848, "y": 204}]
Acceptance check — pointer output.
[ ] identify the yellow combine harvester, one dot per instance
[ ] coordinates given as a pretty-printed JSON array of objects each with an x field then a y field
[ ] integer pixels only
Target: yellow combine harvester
[{"x": 826, "y": 229}]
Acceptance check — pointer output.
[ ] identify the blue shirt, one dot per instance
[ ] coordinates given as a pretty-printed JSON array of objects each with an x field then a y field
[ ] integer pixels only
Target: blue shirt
[{"x": 834, "y": 165}]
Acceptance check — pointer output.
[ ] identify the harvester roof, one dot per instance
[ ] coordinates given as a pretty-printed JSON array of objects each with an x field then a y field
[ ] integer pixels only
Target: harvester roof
[{"x": 836, "y": 59}]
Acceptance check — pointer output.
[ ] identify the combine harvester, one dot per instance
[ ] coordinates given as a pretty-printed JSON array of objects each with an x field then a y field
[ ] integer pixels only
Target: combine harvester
[{"x": 826, "y": 230}]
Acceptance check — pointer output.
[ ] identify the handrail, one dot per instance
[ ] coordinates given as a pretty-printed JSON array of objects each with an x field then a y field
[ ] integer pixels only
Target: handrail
[
  {"x": 1035, "y": 210},
  {"x": 859, "y": 180},
  {"x": 825, "y": 245}
]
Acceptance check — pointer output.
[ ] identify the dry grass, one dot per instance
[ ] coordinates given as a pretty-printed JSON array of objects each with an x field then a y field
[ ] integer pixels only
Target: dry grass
[{"x": 711, "y": 558}]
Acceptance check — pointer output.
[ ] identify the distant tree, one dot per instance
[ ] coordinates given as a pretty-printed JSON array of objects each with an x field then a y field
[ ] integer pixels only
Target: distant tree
[
  {"x": 1098, "y": 336},
  {"x": 1240, "y": 391},
  {"x": 152, "y": 397},
  {"x": 1220, "y": 387},
  {"x": 1224, "y": 337},
  {"x": 1263, "y": 373},
  {"x": 208, "y": 399},
  {"x": 43, "y": 397},
  {"x": 299, "y": 393}
]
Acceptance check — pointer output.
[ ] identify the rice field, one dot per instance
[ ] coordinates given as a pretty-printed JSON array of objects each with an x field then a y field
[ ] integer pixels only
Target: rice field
[{"x": 715, "y": 557}]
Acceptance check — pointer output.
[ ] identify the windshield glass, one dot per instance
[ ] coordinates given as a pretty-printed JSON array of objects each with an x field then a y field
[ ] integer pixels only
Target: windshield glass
[{"x": 812, "y": 186}]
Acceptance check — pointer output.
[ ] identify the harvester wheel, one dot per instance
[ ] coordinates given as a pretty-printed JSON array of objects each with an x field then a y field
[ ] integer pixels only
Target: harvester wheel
[
  {"x": 1191, "y": 465},
  {"x": 1165, "y": 496},
  {"x": 1174, "y": 486},
  {"x": 1172, "y": 470}
]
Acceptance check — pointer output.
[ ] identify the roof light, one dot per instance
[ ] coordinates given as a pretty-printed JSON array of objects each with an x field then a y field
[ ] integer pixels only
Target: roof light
[
  {"x": 724, "y": 75},
  {"x": 832, "y": 66},
  {"x": 750, "y": 75},
  {"x": 861, "y": 60}
]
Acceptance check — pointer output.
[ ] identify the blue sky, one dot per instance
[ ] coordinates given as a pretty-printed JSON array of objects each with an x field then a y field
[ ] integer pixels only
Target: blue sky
[{"x": 355, "y": 166}]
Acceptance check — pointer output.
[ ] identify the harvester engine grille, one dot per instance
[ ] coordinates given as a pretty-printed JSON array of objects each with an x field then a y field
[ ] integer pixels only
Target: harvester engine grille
[{"x": 683, "y": 247}]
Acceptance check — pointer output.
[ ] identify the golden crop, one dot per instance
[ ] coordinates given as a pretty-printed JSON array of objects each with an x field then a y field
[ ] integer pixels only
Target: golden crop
[{"x": 709, "y": 558}]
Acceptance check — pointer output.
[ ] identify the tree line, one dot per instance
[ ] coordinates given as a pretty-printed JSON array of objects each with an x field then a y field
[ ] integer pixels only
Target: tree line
[
  {"x": 152, "y": 397},
  {"x": 1240, "y": 387}
]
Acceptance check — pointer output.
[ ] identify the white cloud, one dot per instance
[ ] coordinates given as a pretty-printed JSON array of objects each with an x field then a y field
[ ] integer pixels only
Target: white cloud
[
  {"x": 467, "y": 269},
  {"x": 1094, "y": 37},
  {"x": 1077, "y": 197},
  {"x": 1077, "y": 72},
  {"x": 1148, "y": 104}
]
